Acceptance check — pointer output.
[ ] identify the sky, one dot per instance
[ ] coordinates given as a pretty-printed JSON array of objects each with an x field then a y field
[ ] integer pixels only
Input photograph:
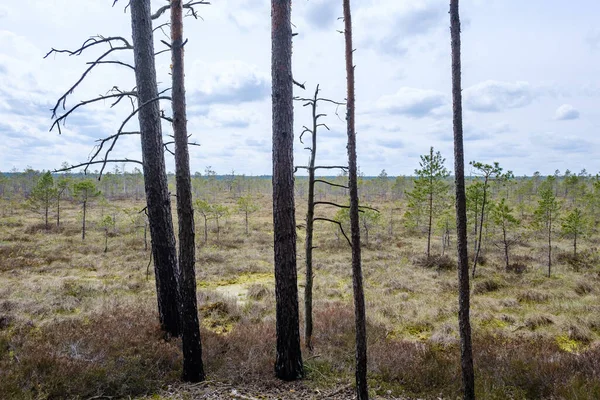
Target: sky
[{"x": 530, "y": 83}]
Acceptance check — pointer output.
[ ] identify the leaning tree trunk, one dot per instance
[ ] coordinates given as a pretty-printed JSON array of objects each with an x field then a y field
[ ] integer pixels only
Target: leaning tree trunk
[
  {"x": 362, "y": 391},
  {"x": 466, "y": 352},
  {"x": 288, "y": 363},
  {"x": 193, "y": 369},
  {"x": 155, "y": 177}
]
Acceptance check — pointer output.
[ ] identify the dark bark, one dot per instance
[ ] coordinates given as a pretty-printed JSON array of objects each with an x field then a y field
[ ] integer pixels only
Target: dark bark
[
  {"x": 310, "y": 215},
  {"x": 482, "y": 215},
  {"x": 106, "y": 239},
  {"x": 466, "y": 351},
  {"x": 506, "y": 245},
  {"x": 155, "y": 177},
  {"x": 362, "y": 392},
  {"x": 145, "y": 235},
  {"x": 47, "y": 208},
  {"x": 430, "y": 202},
  {"x": 83, "y": 223},
  {"x": 288, "y": 363},
  {"x": 550, "y": 245},
  {"x": 193, "y": 369}
]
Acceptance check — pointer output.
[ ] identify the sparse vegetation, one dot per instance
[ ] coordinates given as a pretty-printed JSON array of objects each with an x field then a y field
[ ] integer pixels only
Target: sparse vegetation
[{"x": 59, "y": 336}]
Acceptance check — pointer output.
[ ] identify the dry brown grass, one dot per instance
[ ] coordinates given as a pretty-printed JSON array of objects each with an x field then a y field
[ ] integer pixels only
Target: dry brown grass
[{"x": 68, "y": 310}]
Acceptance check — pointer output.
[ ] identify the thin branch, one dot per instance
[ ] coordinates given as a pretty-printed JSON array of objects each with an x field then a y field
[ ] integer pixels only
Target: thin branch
[
  {"x": 113, "y": 62},
  {"x": 331, "y": 167},
  {"x": 329, "y": 203},
  {"x": 189, "y": 5},
  {"x": 321, "y": 167},
  {"x": 88, "y": 163},
  {"x": 303, "y": 132},
  {"x": 161, "y": 26},
  {"x": 368, "y": 208},
  {"x": 93, "y": 41},
  {"x": 299, "y": 84},
  {"x": 338, "y": 224},
  {"x": 63, "y": 117},
  {"x": 331, "y": 183},
  {"x": 116, "y": 136},
  {"x": 162, "y": 51}
]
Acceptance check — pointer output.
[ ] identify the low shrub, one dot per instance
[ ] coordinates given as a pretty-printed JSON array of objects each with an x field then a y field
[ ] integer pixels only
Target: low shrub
[
  {"x": 438, "y": 262},
  {"x": 487, "y": 285}
]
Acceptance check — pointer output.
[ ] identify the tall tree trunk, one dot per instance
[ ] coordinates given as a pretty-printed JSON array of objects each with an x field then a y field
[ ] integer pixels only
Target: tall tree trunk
[
  {"x": 505, "y": 247},
  {"x": 430, "y": 202},
  {"x": 466, "y": 351},
  {"x": 362, "y": 392},
  {"x": 83, "y": 223},
  {"x": 58, "y": 211},
  {"x": 47, "y": 208},
  {"x": 288, "y": 363},
  {"x": 310, "y": 214},
  {"x": 155, "y": 177},
  {"x": 478, "y": 247},
  {"x": 106, "y": 239},
  {"x": 193, "y": 369},
  {"x": 550, "y": 246}
]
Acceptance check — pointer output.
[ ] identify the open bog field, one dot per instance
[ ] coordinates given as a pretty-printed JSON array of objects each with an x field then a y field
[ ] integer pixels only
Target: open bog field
[{"x": 77, "y": 321}]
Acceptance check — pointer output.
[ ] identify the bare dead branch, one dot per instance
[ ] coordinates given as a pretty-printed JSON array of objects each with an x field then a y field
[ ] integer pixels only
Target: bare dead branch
[
  {"x": 331, "y": 183},
  {"x": 189, "y": 6},
  {"x": 162, "y": 51},
  {"x": 338, "y": 223},
  {"x": 329, "y": 203},
  {"x": 93, "y": 41},
  {"x": 113, "y": 62},
  {"x": 161, "y": 26},
  {"x": 321, "y": 167},
  {"x": 303, "y": 132},
  {"x": 299, "y": 84},
  {"x": 88, "y": 163},
  {"x": 368, "y": 208},
  {"x": 120, "y": 95},
  {"x": 331, "y": 167},
  {"x": 119, "y": 133}
]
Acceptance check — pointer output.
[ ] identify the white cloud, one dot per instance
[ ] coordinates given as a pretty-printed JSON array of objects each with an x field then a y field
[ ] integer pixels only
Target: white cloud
[
  {"x": 412, "y": 102},
  {"x": 403, "y": 82},
  {"x": 390, "y": 27},
  {"x": 230, "y": 82},
  {"x": 495, "y": 96},
  {"x": 566, "y": 112}
]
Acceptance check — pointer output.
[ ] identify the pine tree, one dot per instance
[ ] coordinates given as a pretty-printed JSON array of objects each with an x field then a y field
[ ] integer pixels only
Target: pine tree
[
  {"x": 42, "y": 196},
  {"x": 429, "y": 189},
  {"x": 546, "y": 214}
]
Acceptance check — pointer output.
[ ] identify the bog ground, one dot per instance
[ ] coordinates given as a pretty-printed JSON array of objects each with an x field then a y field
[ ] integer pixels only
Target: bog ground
[{"x": 79, "y": 322}]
